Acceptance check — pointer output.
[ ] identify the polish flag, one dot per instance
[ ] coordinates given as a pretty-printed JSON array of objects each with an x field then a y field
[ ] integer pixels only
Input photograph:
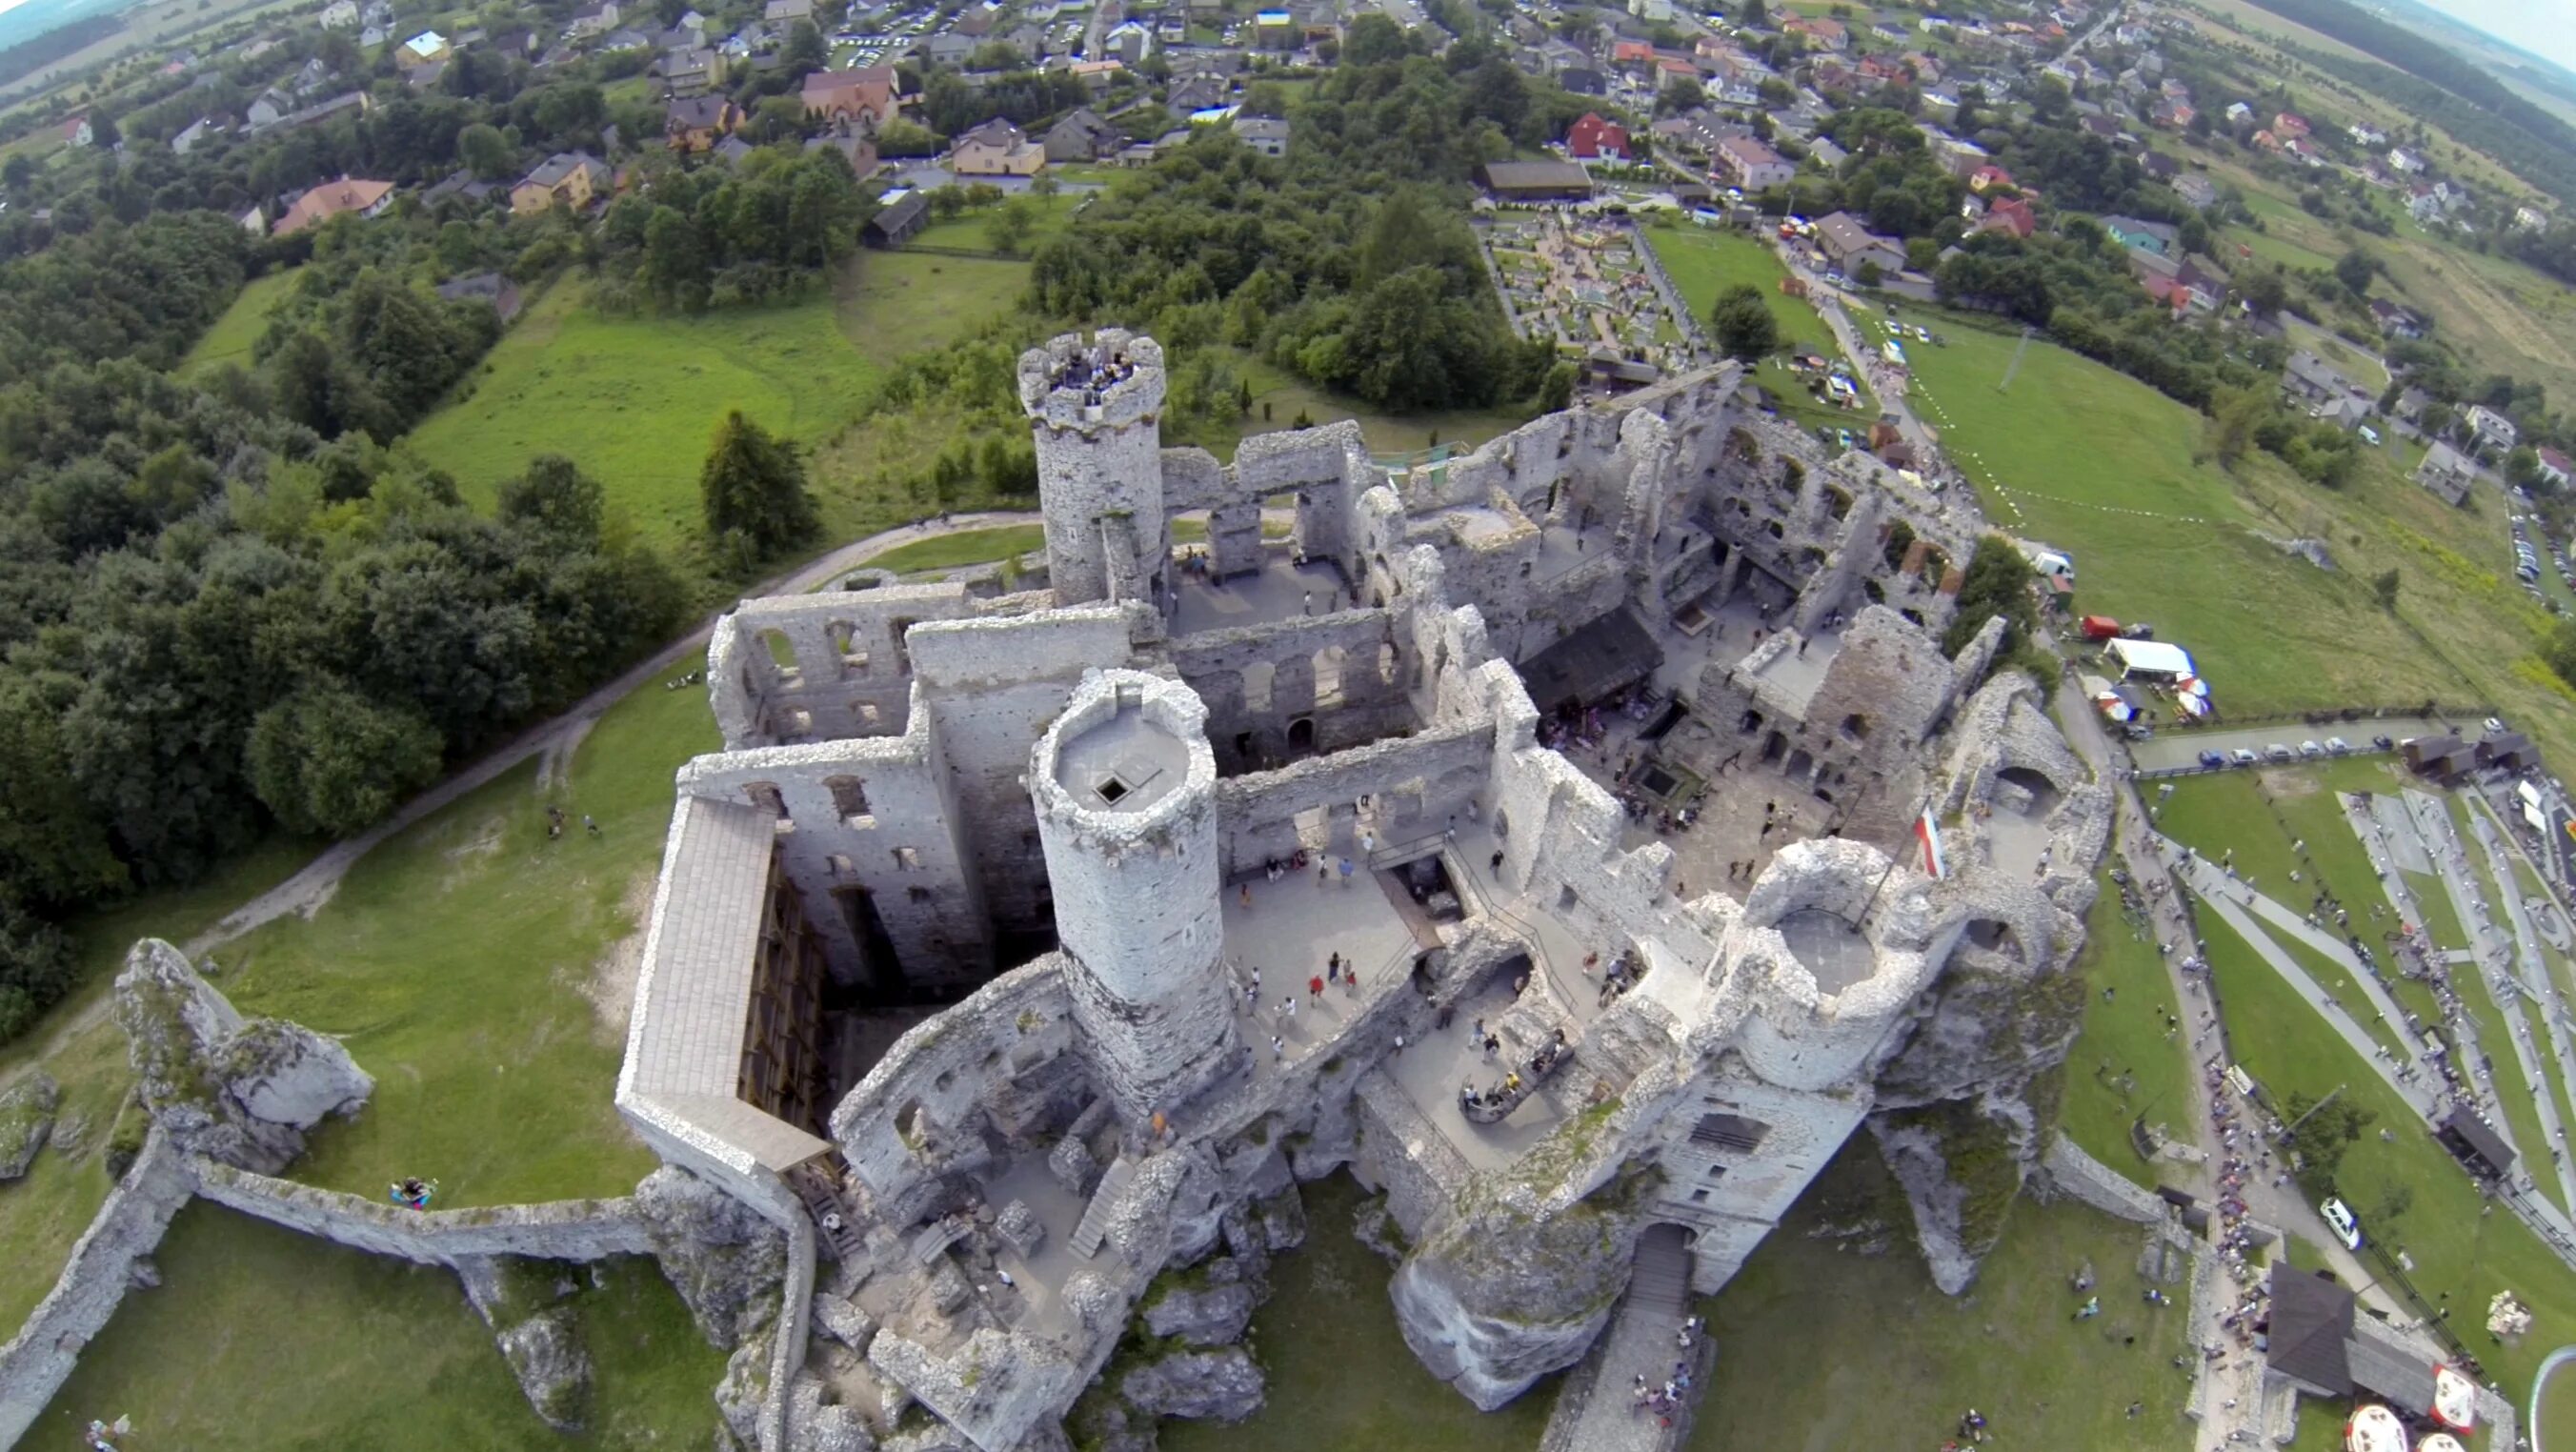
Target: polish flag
[{"x": 1928, "y": 832}]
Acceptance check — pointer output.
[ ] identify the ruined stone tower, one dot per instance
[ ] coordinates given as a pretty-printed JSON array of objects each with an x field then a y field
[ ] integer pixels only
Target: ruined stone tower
[
  {"x": 1125, "y": 790},
  {"x": 1095, "y": 408}
]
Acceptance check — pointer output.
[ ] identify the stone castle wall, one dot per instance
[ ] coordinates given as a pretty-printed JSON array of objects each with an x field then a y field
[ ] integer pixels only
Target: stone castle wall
[
  {"x": 128, "y": 1227},
  {"x": 576, "y": 1230}
]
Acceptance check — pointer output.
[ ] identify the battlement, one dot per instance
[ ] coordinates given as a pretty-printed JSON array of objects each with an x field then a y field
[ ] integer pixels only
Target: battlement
[{"x": 1110, "y": 380}]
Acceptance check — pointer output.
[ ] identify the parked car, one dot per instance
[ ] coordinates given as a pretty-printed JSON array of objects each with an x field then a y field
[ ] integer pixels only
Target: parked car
[
  {"x": 2340, "y": 1219},
  {"x": 2337, "y": 746},
  {"x": 2383, "y": 743},
  {"x": 2278, "y": 752},
  {"x": 2213, "y": 759},
  {"x": 2243, "y": 756},
  {"x": 2311, "y": 750}
]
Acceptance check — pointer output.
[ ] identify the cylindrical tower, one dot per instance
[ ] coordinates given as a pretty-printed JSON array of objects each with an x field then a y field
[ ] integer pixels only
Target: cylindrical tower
[
  {"x": 1125, "y": 790},
  {"x": 1095, "y": 407}
]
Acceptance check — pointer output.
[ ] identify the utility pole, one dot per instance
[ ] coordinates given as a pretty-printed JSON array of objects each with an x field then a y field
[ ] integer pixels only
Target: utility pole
[{"x": 2015, "y": 366}]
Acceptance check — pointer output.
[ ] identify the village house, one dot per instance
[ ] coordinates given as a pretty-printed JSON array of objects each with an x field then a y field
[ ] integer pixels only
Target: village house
[
  {"x": 597, "y": 20},
  {"x": 339, "y": 15},
  {"x": 322, "y": 203},
  {"x": 2447, "y": 472},
  {"x": 693, "y": 123},
  {"x": 1818, "y": 32},
  {"x": 2555, "y": 468},
  {"x": 1083, "y": 136},
  {"x": 1591, "y": 138},
  {"x": 573, "y": 178},
  {"x": 996, "y": 148},
  {"x": 2141, "y": 236},
  {"x": 2312, "y": 381},
  {"x": 1849, "y": 244},
  {"x": 427, "y": 48},
  {"x": 1265, "y": 134},
  {"x": 2010, "y": 216},
  {"x": 2196, "y": 189},
  {"x": 902, "y": 215},
  {"x": 2490, "y": 429},
  {"x": 865, "y": 94},
  {"x": 1744, "y": 161}
]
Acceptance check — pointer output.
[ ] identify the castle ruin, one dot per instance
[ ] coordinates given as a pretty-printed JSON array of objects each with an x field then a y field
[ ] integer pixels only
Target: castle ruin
[{"x": 985, "y": 955}]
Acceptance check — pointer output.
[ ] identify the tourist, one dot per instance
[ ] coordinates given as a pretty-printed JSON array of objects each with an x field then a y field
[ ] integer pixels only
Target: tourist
[
  {"x": 1497, "y": 864},
  {"x": 1278, "y": 1049},
  {"x": 1315, "y": 989},
  {"x": 1346, "y": 872}
]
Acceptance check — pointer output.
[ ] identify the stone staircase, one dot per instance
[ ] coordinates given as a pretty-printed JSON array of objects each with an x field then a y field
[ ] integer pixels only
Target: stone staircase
[
  {"x": 1094, "y": 1226},
  {"x": 833, "y": 1221},
  {"x": 1661, "y": 1282}
]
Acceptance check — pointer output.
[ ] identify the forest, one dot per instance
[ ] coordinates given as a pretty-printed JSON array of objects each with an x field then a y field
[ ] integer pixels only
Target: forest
[{"x": 1347, "y": 262}]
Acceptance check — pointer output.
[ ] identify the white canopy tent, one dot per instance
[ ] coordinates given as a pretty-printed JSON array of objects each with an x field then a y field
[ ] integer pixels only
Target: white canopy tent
[{"x": 2150, "y": 658}]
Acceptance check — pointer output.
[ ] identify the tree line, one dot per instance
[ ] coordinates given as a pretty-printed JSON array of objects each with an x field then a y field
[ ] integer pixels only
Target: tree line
[{"x": 1345, "y": 262}]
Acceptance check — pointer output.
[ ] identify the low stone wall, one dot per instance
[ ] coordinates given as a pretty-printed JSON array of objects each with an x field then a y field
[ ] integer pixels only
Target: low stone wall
[
  {"x": 34, "y": 1365},
  {"x": 2067, "y": 1170},
  {"x": 576, "y": 1230}
]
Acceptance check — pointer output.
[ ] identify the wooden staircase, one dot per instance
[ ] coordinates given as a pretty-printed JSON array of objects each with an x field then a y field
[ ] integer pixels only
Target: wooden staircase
[{"x": 1094, "y": 1226}]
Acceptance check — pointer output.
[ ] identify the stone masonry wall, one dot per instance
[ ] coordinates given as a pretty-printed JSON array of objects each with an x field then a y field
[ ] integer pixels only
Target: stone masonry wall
[
  {"x": 577, "y": 1230},
  {"x": 36, "y": 1362}
]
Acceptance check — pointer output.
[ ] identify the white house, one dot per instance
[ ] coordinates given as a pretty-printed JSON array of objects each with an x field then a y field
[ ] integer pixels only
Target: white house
[
  {"x": 2490, "y": 427},
  {"x": 340, "y": 15}
]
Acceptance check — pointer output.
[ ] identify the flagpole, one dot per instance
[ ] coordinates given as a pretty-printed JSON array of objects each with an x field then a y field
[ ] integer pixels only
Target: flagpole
[{"x": 1892, "y": 861}]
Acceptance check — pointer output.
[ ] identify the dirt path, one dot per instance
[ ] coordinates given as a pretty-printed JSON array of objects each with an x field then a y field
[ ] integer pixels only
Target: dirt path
[{"x": 310, "y": 888}]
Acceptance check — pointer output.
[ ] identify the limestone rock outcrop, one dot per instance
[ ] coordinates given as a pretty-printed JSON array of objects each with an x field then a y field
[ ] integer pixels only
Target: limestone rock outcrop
[
  {"x": 1211, "y": 1315},
  {"x": 553, "y": 1367},
  {"x": 725, "y": 1261},
  {"x": 239, "y": 1091},
  {"x": 26, "y": 1119},
  {"x": 1493, "y": 1301},
  {"x": 1223, "y": 1385}
]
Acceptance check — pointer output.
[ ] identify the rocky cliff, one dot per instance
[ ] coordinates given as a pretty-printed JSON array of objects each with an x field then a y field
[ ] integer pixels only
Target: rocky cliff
[{"x": 239, "y": 1091}]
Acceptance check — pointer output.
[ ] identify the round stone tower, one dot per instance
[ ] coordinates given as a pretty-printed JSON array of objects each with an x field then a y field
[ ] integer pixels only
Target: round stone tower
[
  {"x": 1095, "y": 406},
  {"x": 1125, "y": 790}
]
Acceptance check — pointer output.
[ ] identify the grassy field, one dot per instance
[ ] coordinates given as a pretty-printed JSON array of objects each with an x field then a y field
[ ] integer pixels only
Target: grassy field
[
  {"x": 80, "y": 1045},
  {"x": 259, "y": 1339},
  {"x": 965, "y": 547},
  {"x": 467, "y": 965},
  {"x": 1704, "y": 262},
  {"x": 1843, "y": 1350},
  {"x": 230, "y": 339},
  {"x": 2456, "y": 1249},
  {"x": 2122, "y": 1066},
  {"x": 906, "y": 301},
  {"x": 636, "y": 400},
  {"x": 2157, "y": 536},
  {"x": 1341, "y": 1377}
]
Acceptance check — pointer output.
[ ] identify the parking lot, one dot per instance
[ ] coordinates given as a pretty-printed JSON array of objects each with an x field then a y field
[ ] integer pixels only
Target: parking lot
[{"x": 2175, "y": 747}]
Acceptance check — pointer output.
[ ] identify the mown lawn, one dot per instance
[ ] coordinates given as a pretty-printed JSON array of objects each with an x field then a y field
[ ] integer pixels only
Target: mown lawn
[
  {"x": 2122, "y": 1066},
  {"x": 1705, "y": 261},
  {"x": 1341, "y": 1377},
  {"x": 259, "y": 1338},
  {"x": 231, "y": 338},
  {"x": 2085, "y": 459},
  {"x": 965, "y": 547},
  {"x": 1843, "y": 1350},
  {"x": 460, "y": 963},
  {"x": 635, "y": 401}
]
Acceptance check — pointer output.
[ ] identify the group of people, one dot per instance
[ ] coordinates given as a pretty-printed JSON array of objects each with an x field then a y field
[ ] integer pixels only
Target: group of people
[
  {"x": 1662, "y": 1402},
  {"x": 1095, "y": 371},
  {"x": 1972, "y": 1431},
  {"x": 1489, "y": 1104},
  {"x": 412, "y": 1191},
  {"x": 555, "y": 823}
]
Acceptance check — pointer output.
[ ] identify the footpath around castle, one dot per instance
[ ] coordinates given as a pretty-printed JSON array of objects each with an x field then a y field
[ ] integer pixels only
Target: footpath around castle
[{"x": 1577, "y": 841}]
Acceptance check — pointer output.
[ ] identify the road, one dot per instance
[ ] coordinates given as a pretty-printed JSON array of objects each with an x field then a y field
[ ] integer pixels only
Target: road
[{"x": 2177, "y": 746}]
